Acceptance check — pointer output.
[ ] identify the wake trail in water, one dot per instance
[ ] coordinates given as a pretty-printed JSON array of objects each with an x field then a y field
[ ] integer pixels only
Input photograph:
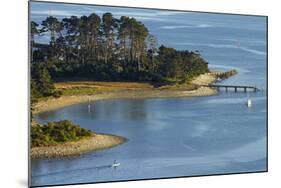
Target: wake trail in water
[{"x": 73, "y": 170}]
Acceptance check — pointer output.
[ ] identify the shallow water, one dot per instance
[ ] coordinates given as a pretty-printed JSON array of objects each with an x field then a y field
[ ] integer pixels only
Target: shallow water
[{"x": 182, "y": 136}]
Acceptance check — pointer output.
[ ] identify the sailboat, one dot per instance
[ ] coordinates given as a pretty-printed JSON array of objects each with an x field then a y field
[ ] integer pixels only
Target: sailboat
[
  {"x": 249, "y": 102},
  {"x": 89, "y": 106}
]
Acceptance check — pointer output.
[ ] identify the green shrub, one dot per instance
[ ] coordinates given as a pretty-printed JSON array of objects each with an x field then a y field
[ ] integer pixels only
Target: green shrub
[
  {"x": 57, "y": 94},
  {"x": 57, "y": 132}
]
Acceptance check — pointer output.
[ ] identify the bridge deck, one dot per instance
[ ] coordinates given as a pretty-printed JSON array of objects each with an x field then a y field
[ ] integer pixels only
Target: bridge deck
[{"x": 235, "y": 87}]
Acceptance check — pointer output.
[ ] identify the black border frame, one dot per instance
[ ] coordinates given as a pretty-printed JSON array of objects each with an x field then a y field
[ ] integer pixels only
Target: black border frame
[{"x": 130, "y": 180}]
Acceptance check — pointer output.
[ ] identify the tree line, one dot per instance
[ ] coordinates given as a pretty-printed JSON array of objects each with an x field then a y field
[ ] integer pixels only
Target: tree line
[{"x": 104, "y": 48}]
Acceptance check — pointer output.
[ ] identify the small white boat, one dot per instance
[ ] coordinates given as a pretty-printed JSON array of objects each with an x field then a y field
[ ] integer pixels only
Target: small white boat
[
  {"x": 115, "y": 164},
  {"x": 249, "y": 103}
]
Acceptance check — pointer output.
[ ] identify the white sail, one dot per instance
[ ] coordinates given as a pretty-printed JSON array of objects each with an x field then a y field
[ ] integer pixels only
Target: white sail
[{"x": 249, "y": 103}]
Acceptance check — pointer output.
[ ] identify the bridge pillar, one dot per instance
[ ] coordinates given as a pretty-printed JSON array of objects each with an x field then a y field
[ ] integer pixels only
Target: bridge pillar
[
  {"x": 245, "y": 89},
  {"x": 235, "y": 89},
  {"x": 226, "y": 89}
]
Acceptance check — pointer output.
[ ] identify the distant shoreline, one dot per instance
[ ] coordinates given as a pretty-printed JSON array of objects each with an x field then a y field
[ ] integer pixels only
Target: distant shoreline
[
  {"x": 71, "y": 149},
  {"x": 205, "y": 79}
]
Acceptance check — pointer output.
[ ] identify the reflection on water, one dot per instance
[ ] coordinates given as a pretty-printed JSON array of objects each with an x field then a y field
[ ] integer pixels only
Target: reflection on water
[{"x": 135, "y": 110}]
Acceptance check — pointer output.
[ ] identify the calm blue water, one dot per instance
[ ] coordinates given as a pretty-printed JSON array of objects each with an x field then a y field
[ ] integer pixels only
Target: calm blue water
[{"x": 173, "y": 137}]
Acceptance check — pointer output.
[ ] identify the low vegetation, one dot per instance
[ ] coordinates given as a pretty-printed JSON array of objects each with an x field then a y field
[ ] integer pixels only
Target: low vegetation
[
  {"x": 93, "y": 87},
  {"x": 78, "y": 91},
  {"x": 56, "y": 133},
  {"x": 225, "y": 75}
]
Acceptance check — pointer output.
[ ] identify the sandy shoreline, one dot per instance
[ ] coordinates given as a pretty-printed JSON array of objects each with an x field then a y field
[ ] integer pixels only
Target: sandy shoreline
[
  {"x": 55, "y": 103},
  {"x": 71, "y": 149}
]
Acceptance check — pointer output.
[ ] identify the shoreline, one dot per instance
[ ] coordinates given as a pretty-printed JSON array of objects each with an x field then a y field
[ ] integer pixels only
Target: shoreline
[
  {"x": 101, "y": 141},
  {"x": 96, "y": 142},
  {"x": 53, "y": 104},
  {"x": 205, "y": 79}
]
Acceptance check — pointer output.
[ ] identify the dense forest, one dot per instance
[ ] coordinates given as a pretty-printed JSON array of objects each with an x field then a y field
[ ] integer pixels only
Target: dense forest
[{"x": 104, "y": 48}]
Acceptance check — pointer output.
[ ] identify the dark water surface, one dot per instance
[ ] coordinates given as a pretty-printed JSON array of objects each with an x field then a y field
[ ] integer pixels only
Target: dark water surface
[{"x": 174, "y": 137}]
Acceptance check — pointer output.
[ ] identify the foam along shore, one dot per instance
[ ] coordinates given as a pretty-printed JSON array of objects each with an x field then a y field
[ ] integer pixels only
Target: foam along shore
[
  {"x": 204, "y": 79},
  {"x": 72, "y": 149}
]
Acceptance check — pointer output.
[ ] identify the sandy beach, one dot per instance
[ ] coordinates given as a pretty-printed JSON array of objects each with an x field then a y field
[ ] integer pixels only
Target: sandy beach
[{"x": 71, "y": 149}]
